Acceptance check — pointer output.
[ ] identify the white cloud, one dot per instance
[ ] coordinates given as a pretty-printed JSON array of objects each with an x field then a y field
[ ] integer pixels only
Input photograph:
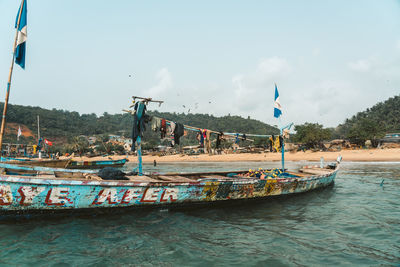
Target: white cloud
[
  {"x": 316, "y": 52},
  {"x": 307, "y": 94},
  {"x": 164, "y": 84},
  {"x": 361, "y": 65},
  {"x": 248, "y": 88},
  {"x": 273, "y": 66}
]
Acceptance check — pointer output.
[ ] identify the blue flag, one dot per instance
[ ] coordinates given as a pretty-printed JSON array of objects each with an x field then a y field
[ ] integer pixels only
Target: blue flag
[
  {"x": 22, "y": 35},
  {"x": 277, "y": 104}
]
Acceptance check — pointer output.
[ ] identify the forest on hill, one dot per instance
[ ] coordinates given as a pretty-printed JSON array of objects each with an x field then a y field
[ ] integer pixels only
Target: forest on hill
[
  {"x": 372, "y": 123},
  {"x": 386, "y": 114},
  {"x": 64, "y": 125}
]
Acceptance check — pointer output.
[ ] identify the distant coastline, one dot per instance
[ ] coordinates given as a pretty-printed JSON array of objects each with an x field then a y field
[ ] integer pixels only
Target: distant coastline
[{"x": 364, "y": 155}]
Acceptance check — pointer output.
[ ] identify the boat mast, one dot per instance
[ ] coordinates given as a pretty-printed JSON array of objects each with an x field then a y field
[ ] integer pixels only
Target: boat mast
[
  {"x": 3, "y": 120},
  {"x": 139, "y": 113},
  {"x": 288, "y": 126}
]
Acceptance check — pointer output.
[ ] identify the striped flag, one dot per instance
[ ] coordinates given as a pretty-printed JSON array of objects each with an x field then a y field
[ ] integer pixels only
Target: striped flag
[
  {"x": 19, "y": 132},
  {"x": 22, "y": 35},
  {"x": 277, "y": 104}
]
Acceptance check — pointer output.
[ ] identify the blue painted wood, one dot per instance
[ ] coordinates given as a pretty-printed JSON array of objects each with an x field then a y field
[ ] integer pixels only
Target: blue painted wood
[
  {"x": 42, "y": 169},
  {"x": 139, "y": 115},
  {"x": 100, "y": 163},
  {"x": 5, "y": 159},
  {"x": 18, "y": 194}
]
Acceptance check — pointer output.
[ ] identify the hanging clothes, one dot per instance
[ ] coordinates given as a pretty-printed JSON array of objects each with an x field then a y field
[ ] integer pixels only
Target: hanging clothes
[
  {"x": 178, "y": 132},
  {"x": 280, "y": 141},
  {"x": 200, "y": 138},
  {"x": 163, "y": 128},
  {"x": 271, "y": 143},
  {"x": 277, "y": 144},
  {"x": 208, "y": 141},
  {"x": 237, "y": 138},
  {"x": 39, "y": 145},
  {"x": 155, "y": 123},
  {"x": 218, "y": 142},
  {"x": 139, "y": 120},
  {"x": 204, "y": 134},
  {"x": 170, "y": 131}
]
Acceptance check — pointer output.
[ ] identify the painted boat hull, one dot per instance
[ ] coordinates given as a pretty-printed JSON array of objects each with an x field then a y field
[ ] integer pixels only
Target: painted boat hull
[
  {"x": 59, "y": 163},
  {"x": 28, "y": 170},
  {"x": 30, "y": 195},
  {"x": 99, "y": 164}
]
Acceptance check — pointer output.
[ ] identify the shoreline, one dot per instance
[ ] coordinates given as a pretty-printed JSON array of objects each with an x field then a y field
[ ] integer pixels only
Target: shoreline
[{"x": 361, "y": 155}]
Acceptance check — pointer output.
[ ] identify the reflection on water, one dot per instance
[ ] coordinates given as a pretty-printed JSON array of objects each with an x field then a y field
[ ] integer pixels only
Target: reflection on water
[{"x": 355, "y": 222}]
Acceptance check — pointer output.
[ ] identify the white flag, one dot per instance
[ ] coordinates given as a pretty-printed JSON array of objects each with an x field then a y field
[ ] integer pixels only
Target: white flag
[{"x": 19, "y": 132}]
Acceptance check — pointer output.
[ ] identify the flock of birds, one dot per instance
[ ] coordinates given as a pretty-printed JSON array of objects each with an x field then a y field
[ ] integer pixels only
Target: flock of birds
[{"x": 196, "y": 105}]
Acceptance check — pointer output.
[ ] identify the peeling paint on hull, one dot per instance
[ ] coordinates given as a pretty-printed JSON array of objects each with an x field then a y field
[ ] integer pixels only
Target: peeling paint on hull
[{"x": 29, "y": 194}]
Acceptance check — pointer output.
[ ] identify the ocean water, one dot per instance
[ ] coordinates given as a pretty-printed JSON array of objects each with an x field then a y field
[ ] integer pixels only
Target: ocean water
[{"x": 356, "y": 222}]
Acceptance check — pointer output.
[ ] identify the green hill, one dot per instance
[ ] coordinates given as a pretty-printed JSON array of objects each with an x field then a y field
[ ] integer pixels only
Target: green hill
[
  {"x": 62, "y": 125},
  {"x": 372, "y": 123}
]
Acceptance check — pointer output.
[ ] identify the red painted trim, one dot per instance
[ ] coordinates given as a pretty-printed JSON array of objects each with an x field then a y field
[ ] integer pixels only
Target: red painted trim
[
  {"x": 95, "y": 202},
  {"x": 144, "y": 195},
  {"x": 48, "y": 201},
  {"x": 162, "y": 196},
  {"x": 2, "y": 203},
  {"x": 21, "y": 202}
]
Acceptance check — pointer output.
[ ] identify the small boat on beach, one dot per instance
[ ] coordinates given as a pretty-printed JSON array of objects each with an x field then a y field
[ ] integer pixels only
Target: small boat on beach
[
  {"x": 50, "y": 163},
  {"x": 96, "y": 164},
  {"x": 63, "y": 189},
  {"x": 67, "y": 163},
  {"x": 87, "y": 191}
]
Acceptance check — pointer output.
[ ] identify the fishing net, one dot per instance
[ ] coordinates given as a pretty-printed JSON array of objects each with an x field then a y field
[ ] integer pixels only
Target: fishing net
[{"x": 263, "y": 174}]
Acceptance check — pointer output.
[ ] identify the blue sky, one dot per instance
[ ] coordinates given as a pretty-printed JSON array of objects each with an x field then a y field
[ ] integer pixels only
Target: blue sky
[{"x": 330, "y": 59}]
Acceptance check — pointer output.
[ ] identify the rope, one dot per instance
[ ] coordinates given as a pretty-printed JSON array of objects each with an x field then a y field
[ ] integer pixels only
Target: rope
[{"x": 233, "y": 135}]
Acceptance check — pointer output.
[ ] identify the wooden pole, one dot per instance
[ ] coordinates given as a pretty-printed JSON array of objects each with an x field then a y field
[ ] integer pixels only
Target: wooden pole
[
  {"x": 283, "y": 152},
  {"x": 38, "y": 129},
  {"x": 3, "y": 120}
]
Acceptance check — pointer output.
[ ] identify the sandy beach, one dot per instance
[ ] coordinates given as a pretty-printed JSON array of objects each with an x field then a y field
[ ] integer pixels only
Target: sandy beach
[{"x": 365, "y": 155}]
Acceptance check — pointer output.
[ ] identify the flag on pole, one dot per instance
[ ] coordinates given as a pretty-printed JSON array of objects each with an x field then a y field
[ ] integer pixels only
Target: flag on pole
[
  {"x": 277, "y": 104},
  {"x": 19, "y": 132},
  {"x": 47, "y": 142},
  {"x": 22, "y": 35}
]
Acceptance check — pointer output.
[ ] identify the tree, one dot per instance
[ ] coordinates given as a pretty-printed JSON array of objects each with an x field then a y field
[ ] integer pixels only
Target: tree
[
  {"x": 311, "y": 134},
  {"x": 81, "y": 145},
  {"x": 386, "y": 114},
  {"x": 260, "y": 142},
  {"x": 366, "y": 129}
]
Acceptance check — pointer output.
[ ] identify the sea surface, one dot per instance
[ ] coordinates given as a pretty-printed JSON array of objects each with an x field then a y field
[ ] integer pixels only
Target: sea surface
[{"x": 356, "y": 222}]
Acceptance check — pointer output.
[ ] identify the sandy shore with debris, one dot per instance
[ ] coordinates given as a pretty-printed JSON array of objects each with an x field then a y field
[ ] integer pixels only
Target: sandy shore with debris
[{"x": 383, "y": 155}]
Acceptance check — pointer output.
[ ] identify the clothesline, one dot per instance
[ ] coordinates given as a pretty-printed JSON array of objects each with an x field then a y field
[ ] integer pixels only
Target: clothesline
[
  {"x": 192, "y": 128},
  {"x": 253, "y": 135}
]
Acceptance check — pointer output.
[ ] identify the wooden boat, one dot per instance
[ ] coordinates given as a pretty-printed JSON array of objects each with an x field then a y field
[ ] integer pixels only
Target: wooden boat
[
  {"x": 96, "y": 164},
  {"x": 51, "y": 163},
  {"x": 67, "y": 163},
  {"x": 28, "y": 170},
  {"x": 43, "y": 193}
]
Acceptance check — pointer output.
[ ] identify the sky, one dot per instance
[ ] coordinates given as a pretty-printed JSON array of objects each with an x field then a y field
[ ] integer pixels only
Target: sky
[{"x": 330, "y": 59}]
